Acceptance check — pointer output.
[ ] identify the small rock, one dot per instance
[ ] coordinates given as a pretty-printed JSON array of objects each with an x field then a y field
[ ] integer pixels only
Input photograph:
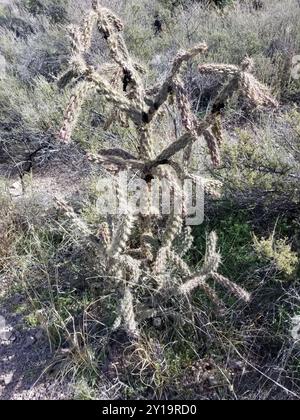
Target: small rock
[
  {"x": 212, "y": 381},
  {"x": 7, "y": 359},
  {"x": 7, "y": 379},
  {"x": 29, "y": 342},
  {"x": 16, "y": 189},
  {"x": 6, "y": 332},
  {"x": 6, "y": 336}
]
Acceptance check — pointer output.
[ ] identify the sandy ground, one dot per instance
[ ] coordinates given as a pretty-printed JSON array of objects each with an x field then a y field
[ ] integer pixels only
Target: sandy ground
[{"x": 25, "y": 360}]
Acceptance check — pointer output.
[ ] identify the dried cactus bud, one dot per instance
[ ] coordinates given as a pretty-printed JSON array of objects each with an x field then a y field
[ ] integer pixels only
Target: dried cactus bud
[
  {"x": 185, "y": 241},
  {"x": 159, "y": 266},
  {"x": 87, "y": 30},
  {"x": 183, "y": 103},
  {"x": 75, "y": 37},
  {"x": 213, "y": 147}
]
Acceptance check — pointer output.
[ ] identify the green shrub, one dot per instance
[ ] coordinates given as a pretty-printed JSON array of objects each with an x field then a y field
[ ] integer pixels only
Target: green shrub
[{"x": 279, "y": 253}]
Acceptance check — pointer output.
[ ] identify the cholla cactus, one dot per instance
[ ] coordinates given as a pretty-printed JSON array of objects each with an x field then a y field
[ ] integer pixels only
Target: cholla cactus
[{"x": 157, "y": 257}]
